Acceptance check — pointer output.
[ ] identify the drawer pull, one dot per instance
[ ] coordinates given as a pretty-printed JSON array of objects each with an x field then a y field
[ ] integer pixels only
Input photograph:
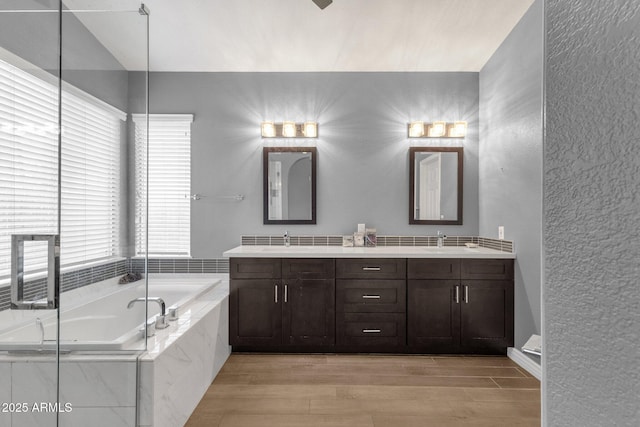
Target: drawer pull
[
  {"x": 371, "y": 268},
  {"x": 370, "y": 296},
  {"x": 371, "y": 331}
]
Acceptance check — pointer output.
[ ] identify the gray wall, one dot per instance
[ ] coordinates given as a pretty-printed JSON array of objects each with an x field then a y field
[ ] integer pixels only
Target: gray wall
[
  {"x": 591, "y": 289},
  {"x": 511, "y": 159},
  {"x": 363, "y": 159},
  {"x": 86, "y": 64}
]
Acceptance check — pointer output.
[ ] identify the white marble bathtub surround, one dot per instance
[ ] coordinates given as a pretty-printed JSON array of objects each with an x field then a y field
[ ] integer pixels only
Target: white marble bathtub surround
[
  {"x": 110, "y": 383},
  {"x": 99, "y": 417},
  {"x": 105, "y": 388},
  {"x": 5, "y": 392},
  {"x": 179, "y": 367},
  {"x": 180, "y": 364}
]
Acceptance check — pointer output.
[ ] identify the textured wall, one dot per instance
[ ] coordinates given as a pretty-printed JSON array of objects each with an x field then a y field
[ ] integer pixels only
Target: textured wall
[
  {"x": 592, "y": 214},
  {"x": 363, "y": 149},
  {"x": 510, "y": 168}
]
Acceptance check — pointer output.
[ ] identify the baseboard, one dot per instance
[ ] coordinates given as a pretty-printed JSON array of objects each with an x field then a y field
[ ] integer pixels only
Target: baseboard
[{"x": 525, "y": 362}]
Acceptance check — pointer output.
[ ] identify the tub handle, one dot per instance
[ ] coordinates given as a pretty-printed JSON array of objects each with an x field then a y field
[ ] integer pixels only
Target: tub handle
[{"x": 17, "y": 272}]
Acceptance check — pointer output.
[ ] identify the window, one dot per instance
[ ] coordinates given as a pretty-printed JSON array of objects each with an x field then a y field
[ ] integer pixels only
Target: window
[
  {"x": 166, "y": 183},
  {"x": 90, "y": 170}
]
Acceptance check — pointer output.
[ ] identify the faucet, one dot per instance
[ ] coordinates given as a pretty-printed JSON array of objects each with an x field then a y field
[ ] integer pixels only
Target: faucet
[
  {"x": 161, "y": 320},
  {"x": 441, "y": 238},
  {"x": 287, "y": 241}
]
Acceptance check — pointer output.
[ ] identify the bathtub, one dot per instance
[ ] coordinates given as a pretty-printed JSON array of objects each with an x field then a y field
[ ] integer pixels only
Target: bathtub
[
  {"x": 154, "y": 386},
  {"x": 104, "y": 323}
]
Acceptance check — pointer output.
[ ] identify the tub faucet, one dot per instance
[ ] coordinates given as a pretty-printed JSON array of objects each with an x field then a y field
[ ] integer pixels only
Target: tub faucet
[
  {"x": 161, "y": 320},
  {"x": 287, "y": 241},
  {"x": 441, "y": 238}
]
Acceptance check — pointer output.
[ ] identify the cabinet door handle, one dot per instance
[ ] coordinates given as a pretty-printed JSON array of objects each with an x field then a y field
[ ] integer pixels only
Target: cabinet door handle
[
  {"x": 286, "y": 292},
  {"x": 457, "y": 294},
  {"x": 275, "y": 293},
  {"x": 371, "y": 268},
  {"x": 371, "y": 331},
  {"x": 370, "y": 296},
  {"x": 466, "y": 294}
]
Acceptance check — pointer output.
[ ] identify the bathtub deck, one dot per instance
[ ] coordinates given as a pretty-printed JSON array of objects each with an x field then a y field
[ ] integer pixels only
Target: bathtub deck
[{"x": 369, "y": 391}]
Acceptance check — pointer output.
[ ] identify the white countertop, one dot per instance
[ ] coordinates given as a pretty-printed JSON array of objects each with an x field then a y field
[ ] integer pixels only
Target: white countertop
[{"x": 360, "y": 252}]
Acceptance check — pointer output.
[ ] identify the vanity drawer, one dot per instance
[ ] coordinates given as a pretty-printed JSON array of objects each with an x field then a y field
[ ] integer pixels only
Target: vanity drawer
[
  {"x": 434, "y": 268},
  {"x": 254, "y": 268},
  {"x": 371, "y": 329},
  {"x": 308, "y": 268},
  {"x": 371, "y": 268},
  {"x": 487, "y": 269},
  {"x": 371, "y": 296}
]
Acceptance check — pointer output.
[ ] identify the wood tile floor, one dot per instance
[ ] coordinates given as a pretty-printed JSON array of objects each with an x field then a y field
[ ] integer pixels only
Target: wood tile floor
[{"x": 369, "y": 391}]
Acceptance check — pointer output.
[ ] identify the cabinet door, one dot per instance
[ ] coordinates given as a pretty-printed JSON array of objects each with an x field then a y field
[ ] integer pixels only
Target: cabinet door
[
  {"x": 487, "y": 315},
  {"x": 255, "y": 313},
  {"x": 309, "y": 311},
  {"x": 433, "y": 311}
]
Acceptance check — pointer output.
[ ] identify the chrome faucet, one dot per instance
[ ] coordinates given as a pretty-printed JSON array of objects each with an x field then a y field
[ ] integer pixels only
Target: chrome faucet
[
  {"x": 441, "y": 238},
  {"x": 161, "y": 320},
  {"x": 287, "y": 241}
]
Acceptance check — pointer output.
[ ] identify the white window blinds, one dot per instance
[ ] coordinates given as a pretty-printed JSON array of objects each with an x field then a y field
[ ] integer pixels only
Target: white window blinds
[
  {"x": 168, "y": 178},
  {"x": 29, "y": 170}
]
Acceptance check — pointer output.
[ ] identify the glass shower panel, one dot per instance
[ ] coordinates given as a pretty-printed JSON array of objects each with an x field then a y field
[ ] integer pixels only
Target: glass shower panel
[
  {"x": 70, "y": 329},
  {"x": 29, "y": 212},
  {"x": 103, "y": 301}
]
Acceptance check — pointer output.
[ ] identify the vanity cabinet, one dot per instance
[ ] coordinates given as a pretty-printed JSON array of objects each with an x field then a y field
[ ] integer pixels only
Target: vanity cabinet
[
  {"x": 367, "y": 305},
  {"x": 371, "y": 304},
  {"x": 460, "y": 305},
  {"x": 281, "y": 302}
]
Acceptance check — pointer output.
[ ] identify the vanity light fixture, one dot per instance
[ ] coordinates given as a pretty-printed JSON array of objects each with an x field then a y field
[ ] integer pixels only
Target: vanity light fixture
[
  {"x": 416, "y": 129},
  {"x": 268, "y": 129},
  {"x": 457, "y": 130},
  {"x": 439, "y": 129},
  {"x": 288, "y": 129},
  {"x": 310, "y": 129}
]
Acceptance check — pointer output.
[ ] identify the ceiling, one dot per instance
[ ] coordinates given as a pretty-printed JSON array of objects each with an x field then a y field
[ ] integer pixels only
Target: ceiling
[{"x": 296, "y": 35}]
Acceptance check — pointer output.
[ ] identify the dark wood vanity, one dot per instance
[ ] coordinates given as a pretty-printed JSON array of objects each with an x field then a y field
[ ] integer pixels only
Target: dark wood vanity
[{"x": 371, "y": 305}]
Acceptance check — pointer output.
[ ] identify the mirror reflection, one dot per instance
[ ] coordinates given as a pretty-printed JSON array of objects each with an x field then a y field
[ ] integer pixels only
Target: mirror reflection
[
  {"x": 436, "y": 185},
  {"x": 289, "y": 185}
]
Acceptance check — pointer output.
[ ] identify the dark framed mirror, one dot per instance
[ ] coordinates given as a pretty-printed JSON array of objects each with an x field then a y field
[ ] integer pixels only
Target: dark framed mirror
[
  {"x": 289, "y": 185},
  {"x": 435, "y": 194}
]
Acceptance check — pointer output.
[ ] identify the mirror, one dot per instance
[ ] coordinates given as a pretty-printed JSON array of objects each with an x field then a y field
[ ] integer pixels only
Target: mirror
[
  {"x": 289, "y": 185},
  {"x": 435, "y": 174}
]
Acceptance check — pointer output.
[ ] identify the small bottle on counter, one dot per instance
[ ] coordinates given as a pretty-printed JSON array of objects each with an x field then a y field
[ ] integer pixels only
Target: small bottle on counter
[{"x": 370, "y": 238}]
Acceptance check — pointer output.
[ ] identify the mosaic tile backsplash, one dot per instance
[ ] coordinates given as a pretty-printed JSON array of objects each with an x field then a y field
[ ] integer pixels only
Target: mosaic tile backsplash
[
  {"x": 334, "y": 240},
  {"x": 36, "y": 289}
]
